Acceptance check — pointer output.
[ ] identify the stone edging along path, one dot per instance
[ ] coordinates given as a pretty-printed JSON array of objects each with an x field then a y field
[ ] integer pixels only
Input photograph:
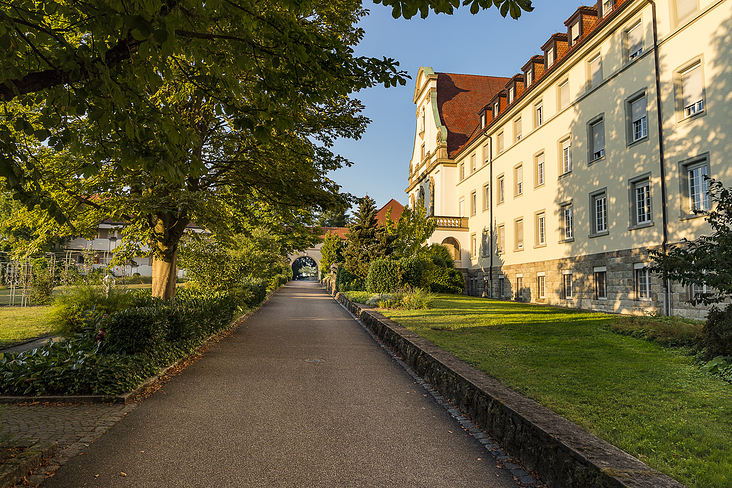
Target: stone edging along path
[{"x": 560, "y": 452}]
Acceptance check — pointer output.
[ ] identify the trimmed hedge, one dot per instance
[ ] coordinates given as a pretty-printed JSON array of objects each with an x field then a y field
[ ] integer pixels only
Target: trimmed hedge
[{"x": 385, "y": 276}]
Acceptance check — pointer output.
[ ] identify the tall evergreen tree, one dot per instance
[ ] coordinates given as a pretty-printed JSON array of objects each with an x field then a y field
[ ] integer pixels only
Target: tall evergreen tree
[{"x": 366, "y": 239}]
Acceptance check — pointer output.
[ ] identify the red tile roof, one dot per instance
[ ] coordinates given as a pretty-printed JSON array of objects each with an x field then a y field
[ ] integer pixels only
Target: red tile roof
[
  {"x": 396, "y": 212},
  {"x": 460, "y": 98}
]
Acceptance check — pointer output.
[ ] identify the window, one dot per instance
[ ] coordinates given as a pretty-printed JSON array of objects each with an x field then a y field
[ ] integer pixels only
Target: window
[
  {"x": 519, "y": 287},
  {"x": 485, "y": 243},
  {"x": 599, "y": 212},
  {"x": 518, "y": 175},
  {"x": 566, "y": 158},
  {"x": 597, "y": 142},
  {"x": 500, "y": 142},
  {"x": 482, "y": 120},
  {"x": 518, "y": 234},
  {"x": 685, "y": 9},
  {"x": 529, "y": 77},
  {"x": 510, "y": 94},
  {"x": 698, "y": 187},
  {"x": 567, "y": 284},
  {"x": 517, "y": 128},
  {"x": 607, "y": 6},
  {"x": 501, "y": 244},
  {"x": 461, "y": 208},
  {"x": 574, "y": 33},
  {"x": 496, "y": 108},
  {"x": 595, "y": 68},
  {"x": 634, "y": 41},
  {"x": 501, "y": 189},
  {"x": 473, "y": 203},
  {"x": 473, "y": 245},
  {"x": 641, "y": 203},
  {"x": 473, "y": 163},
  {"x": 642, "y": 281},
  {"x": 539, "y": 170},
  {"x": 638, "y": 122},
  {"x": 421, "y": 120},
  {"x": 549, "y": 57},
  {"x": 541, "y": 285},
  {"x": 600, "y": 283},
  {"x": 567, "y": 223},
  {"x": 501, "y": 286},
  {"x": 538, "y": 114},
  {"x": 486, "y": 197},
  {"x": 424, "y": 151},
  {"x": 697, "y": 290},
  {"x": 540, "y": 229},
  {"x": 692, "y": 92},
  {"x": 564, "y": 95},
  {"x": 462, "y": 171}
]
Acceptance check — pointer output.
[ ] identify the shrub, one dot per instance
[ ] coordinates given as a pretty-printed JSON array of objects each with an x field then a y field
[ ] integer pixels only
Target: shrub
[
  {"x": 42, "y": 285},
  {"x": 417, "y": 299},
  {"x": 384, "y": 276},
  {"x": 444, "y": 280},
  {"x": 68, "y": 308},
  {"x": 347, "y": 281},
  {"x": 718, "y": 332},
  {"x": 412, "y": 271},
  {"x": 358, "y": 296},
  {"x": 136, "y": 330},
  {"x": 252, "y": 291}
]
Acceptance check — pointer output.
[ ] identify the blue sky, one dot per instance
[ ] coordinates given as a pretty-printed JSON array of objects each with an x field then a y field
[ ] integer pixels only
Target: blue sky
[{"x": 481, "y": 44}]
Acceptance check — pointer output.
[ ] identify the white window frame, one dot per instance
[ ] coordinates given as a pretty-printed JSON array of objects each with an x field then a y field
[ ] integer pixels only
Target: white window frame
[
  {"x": 518, "y": 175},
  {"x": 594, "y": 70},
  {"x": 510, "y": 94},
  {"x": 540, "y": 169},
  {"x": 539, "y": 113},
  {"x": 638, "y": 116},
  {"x": 642, "y": 280},
  {"x": 550, "y": 58},
  {"x": 597, "y": 152},
  {"x": 634, "y": 40},
  {"x": 567, "y": 285},
  {"x": 517, "y": 127},
  {"x": 565, "y": 148},
  {"x": 518, "y": 236},
  {"x": 599, "y": 209},
  {"x": 501, "y": 240},
  {"x": 698, "y": 187},
  {"x": 563, "y": 94},
  {"x": 600, "y": 276},
  {"x": 692, "y": 98},
  {"x": 643, "y": 213},
  {"x": 529, "y": 77},
  {"x": 567, "y": 224},
  {"x": 473, "y": 203},
  {"x": 486, "y": 197},
  {"x": 680, "y": 16},
  {"x": 500, "y": 142},
  {"x": 541, "y": 228},
  {"x": 462, "y": 171},
  {"x": 501, "y": 179},
  {"x": 541, "y": 284}
]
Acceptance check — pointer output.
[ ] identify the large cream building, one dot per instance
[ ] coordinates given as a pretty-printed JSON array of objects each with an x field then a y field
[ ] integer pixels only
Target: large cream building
[{"x": 551, "y": 186}]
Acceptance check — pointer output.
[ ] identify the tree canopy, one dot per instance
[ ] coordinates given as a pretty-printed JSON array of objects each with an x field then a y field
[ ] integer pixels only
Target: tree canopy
[{"x": 159, "y": 113}]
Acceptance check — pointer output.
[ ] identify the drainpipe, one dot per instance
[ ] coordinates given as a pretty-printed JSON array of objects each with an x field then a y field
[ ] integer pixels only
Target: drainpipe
[
  {"x": 664, "y": 203},
  {"x": 490, "y": 202}
]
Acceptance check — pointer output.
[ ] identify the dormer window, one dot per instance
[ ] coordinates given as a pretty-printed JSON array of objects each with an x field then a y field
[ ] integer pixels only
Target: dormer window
[
  {"x": 482, "y": 120},
  {"x": 549, "y": 57},
  {"x": 607, "y": 7},
  {"x": 529, "y": 77},
  {"x": 574, "y": 33},
  {"x": 511, "y": 92},
  {"x": 496, "y": 108}
]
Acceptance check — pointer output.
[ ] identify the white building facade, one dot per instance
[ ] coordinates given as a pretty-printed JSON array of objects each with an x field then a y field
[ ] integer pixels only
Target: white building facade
[{"x": 551, "y": 186}]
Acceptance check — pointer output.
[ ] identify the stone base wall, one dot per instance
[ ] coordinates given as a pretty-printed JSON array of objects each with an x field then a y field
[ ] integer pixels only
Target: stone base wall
[{"x": 622, "y": 295}]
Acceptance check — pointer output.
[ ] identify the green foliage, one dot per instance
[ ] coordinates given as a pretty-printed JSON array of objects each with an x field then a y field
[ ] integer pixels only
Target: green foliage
[
  {"x": 384, "y": 276},
  {"x": 404, "y": 299},
  {"x": 411, "y": 230},
  {"x": 718, "y": 332},
  {"x": 331, "y": 253},
  {"x": 443, "y": 280},
  {"x": 667, "y": 331},
  {"x": 412, "y": 271},
  {"x": 42, "y": 285},
  {"x": 347, "y": 281},
  {"x": 707, "y": 260},
  {"x": 366, "y": 239},
  {"x": 410, "y": 8},
  {"x": 720, "y": 366},
  {"x": 358, "y": 296},
  {"x": 68, "y": 308}
]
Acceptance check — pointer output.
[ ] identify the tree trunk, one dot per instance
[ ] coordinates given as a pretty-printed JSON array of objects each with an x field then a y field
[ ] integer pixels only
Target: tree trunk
[{"x": 168, "y": 230}]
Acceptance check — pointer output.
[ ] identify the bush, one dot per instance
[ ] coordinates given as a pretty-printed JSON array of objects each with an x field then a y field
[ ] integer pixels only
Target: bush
[
  {"x": 444, "y": 280},
  {"x": 347, "y": 281},
  {"x": 412, "y": 272},
  {"x": 718, "y": 332},
  {"x": 384, "y": 276},
  {"x": 417, "y": 299},
  {"x": 67, "y": 310},
  {"x": 42, "y": 285},
  {"x": 136, "y": 330}
]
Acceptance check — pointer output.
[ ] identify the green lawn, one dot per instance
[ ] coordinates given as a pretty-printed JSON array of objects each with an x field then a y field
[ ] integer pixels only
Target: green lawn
[
  {"x": 18, "y": 324},
  {"x": 650, "y": 401}
]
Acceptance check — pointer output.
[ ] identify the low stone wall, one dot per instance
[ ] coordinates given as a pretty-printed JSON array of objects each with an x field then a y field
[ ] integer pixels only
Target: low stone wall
[{"x": 561, "y": 453}]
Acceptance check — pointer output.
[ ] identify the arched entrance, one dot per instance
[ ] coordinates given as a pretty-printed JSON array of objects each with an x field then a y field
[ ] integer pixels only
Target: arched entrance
[
  {"x": 304, "y": 268},
  {"x": 453, "y": 246}
]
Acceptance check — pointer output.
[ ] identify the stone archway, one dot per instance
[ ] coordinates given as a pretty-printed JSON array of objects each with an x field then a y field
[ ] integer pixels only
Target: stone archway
[
  {"x": 305, "y": 267},
  {"x": 453, "y": 246}
]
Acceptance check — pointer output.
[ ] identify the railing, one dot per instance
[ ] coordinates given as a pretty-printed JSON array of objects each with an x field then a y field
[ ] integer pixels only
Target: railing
[{"x": 452, "y": 222}]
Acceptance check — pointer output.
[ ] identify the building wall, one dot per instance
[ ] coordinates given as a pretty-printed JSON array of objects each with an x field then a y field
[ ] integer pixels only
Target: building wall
[{"x": 704, "y": 138}]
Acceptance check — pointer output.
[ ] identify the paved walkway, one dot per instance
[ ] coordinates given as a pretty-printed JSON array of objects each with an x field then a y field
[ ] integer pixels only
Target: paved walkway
[{"x": 298, "y": 396}]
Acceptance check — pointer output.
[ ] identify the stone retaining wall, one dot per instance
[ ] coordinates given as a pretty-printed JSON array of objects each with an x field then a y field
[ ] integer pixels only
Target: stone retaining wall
[{"x": 561, "y": 453}]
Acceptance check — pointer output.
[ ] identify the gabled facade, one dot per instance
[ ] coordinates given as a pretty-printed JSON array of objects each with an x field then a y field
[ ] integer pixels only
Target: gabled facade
[{"x": 555, "y": 192}]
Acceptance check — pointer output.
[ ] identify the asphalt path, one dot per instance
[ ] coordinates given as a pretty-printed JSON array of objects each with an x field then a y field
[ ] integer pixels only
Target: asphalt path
[{"x": 299, "y": 396}]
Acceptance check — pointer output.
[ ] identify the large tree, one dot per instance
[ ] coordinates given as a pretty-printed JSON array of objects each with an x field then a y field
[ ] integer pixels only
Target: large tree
[{"x": 161, "y": 113}]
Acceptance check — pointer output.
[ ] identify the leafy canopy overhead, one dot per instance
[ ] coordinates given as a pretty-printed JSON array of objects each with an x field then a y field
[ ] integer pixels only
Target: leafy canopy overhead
[{"x": 409, "y": 8}]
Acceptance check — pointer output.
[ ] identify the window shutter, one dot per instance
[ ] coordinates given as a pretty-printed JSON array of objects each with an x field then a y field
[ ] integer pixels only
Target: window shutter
[
  {"x": 638, "y": 109},
  {"x": 564, "y": 94},
  {"x": 691, "y": 85},
  {"x": 596, "y": 71},
  {"x": 598, "y": 137},
  {"x": 575, "y": 32},
  {"x": 635, "y": 39},
  {"x": 685, "y": 8}
]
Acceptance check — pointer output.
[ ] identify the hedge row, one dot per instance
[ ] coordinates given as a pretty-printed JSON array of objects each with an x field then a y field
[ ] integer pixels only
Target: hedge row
[{"x": 386, "y": 276}]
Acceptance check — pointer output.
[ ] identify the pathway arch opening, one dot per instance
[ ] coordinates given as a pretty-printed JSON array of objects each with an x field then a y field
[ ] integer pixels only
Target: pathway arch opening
[{"x": 305, "y": 268}]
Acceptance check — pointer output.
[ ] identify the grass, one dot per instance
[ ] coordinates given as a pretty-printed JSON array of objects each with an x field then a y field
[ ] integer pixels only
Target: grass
[
  {"x": 18, "y": 324},
  {"x": 651, "y": 401}
]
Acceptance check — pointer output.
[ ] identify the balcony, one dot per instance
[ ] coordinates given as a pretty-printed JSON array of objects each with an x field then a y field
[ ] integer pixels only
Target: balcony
[{"x": 452, "y": 223}]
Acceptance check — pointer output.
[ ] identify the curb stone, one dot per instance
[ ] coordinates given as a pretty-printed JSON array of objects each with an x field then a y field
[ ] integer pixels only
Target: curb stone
[
  {"x": 560, "y": 452},
  {"x": 15, "y": 469}
]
